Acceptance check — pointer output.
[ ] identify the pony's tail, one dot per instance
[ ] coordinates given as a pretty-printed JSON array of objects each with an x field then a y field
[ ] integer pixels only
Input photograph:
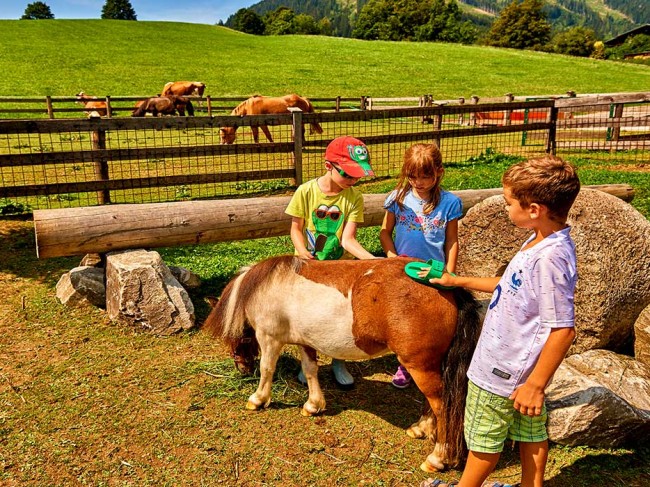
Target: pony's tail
[
  {"x": 227, "y": 319},
  {"x": 455, "y": 367}
]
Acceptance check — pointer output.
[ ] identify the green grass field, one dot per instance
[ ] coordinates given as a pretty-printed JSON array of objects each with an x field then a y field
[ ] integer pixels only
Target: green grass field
[{"x": 117, "y": 58}]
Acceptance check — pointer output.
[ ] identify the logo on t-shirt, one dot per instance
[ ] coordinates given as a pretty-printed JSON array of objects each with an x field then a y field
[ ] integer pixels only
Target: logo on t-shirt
[{"x": 516, "y": 280}]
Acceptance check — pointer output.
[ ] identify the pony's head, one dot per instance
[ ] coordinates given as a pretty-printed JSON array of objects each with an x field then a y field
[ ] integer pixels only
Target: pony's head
[{"x": 228, "y": 134}]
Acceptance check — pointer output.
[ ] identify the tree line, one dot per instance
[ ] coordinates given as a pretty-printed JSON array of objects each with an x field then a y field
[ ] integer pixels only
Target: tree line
[
  {"x": 112, "y": 9},
  {"x": 521, "y": 24}
]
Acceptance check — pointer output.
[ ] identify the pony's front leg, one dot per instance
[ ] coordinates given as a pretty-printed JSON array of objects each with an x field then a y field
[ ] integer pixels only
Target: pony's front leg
[
  {"x": 269, "y": 352},
  {"x": 316, "y": 402}
]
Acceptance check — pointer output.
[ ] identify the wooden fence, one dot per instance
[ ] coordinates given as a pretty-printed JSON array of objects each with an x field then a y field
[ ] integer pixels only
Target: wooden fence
[{"x": 51, "y": 163}]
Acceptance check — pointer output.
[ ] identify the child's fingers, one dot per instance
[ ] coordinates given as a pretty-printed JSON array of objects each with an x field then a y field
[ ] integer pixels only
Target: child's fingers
[{"x": 424, "y": 271}]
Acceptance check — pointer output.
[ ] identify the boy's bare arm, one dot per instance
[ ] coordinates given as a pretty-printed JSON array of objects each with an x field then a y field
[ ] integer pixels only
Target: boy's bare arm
[
  {"x": 350, "y": 243},
  {"x": 298, "y": 238},
  {"x": 386, "y": 234},
  {"x": 529, "y": 397},
  {"x": 482, "y": 284}
]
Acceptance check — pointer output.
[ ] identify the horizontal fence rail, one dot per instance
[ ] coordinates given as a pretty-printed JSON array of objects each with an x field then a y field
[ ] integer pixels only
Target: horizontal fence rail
[{"x": 52, "y": 163}]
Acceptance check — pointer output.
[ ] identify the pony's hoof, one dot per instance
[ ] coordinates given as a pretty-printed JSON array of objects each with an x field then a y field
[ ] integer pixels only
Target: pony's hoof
[
  {"x": 251, "y": 406},
  {"x": 427, "y": 467},
  {"x": 432, "y": 466},
  {"x": 416, "y": 433},
  {"x": 311, "y": 411}
]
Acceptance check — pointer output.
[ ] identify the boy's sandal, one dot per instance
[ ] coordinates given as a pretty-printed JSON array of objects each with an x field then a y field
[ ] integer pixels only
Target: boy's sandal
[
  {"x": 437, "y": 483},
  {"x": 492, "y": 483},
  {"x": 436, "y": 269}
]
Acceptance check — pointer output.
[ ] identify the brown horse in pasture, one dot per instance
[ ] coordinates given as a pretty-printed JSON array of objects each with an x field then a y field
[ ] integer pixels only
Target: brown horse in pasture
[
  {"x": 355, "y": 310},
  {"x": 183, "y": 88},
  {"x": 262, "y": 105},
  {"x": 163, "y": 105},
  {"x": 94, "y": 107}
]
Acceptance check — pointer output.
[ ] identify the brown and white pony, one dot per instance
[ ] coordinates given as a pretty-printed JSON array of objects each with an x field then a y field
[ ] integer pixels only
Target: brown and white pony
[
  {"x": 355, "y": 310},
  {"x": 262, "y": 105},
  {"x": 183, "y": 88},
  {"x": 94, "y": 106},
  {"x": 163, "y": 105}
]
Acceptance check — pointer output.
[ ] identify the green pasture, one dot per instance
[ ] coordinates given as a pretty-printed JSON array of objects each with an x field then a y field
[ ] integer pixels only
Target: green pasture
[{"x": 106, "y": 57}]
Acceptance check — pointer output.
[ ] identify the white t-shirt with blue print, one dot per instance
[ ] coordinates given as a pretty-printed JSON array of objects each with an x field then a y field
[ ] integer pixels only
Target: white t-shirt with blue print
[
  {"x": 534, "y": 295},
  {"x": 419, "y": 235}
]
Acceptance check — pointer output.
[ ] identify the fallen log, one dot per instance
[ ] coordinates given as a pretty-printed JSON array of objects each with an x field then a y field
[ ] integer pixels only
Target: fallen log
[{"x": 99, "y": 229}]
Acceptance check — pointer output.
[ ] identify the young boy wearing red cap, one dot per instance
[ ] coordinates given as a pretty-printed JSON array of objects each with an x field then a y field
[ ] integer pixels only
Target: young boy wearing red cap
[{"x": 325, "y": 212}]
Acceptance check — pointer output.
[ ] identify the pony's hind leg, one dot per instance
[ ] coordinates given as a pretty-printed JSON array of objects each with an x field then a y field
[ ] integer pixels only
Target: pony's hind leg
[
  {"x": 430, "y": 383},
  {"x": 316, "y": 402},
  {"x": 269, "y": 352},
  {"x": 267, "y": 132}
]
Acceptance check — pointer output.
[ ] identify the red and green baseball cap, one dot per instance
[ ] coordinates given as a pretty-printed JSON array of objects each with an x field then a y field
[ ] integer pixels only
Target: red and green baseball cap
[{"x": 351, "y": 155}]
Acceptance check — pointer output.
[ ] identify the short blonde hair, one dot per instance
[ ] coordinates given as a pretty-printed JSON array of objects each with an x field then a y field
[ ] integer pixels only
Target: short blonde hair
[{"x": 546, "y": 180}]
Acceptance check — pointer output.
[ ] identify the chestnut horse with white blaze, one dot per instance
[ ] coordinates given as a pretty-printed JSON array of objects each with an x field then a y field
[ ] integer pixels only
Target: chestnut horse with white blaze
[
  {"x": 355, "y": 310},
  {"x": 263, "y": 105}
]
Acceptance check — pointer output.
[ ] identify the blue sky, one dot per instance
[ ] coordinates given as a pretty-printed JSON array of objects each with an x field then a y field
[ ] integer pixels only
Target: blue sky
[{"x": 194, "y": 11}]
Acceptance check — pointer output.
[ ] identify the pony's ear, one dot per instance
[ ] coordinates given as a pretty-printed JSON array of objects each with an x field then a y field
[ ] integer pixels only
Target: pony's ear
[{"x": 212, "y": 300}]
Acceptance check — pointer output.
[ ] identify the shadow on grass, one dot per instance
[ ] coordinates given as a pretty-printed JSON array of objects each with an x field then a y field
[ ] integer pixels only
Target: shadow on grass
[
  {"x": 18, "y": 254},
  {"x": 619, "y": 468}
]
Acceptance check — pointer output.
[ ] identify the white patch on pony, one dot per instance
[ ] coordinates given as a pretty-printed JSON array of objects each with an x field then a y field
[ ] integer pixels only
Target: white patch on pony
[
  {"x": 369, "y": 272},
  {"x": 300, "y": 311}
]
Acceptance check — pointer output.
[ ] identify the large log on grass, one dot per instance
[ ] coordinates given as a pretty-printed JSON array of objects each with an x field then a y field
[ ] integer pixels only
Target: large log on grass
[{"x": 79, "y": 231}]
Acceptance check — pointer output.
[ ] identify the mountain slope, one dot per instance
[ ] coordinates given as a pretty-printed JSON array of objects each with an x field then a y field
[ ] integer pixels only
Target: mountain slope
[{"x": 607, "y": 17}]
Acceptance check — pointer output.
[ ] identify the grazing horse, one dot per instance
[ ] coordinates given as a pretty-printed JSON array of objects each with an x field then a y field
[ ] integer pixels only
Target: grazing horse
[
  {"x": 183, "y": 88},
  {"x": 95, "y": 108},
  {"x": 261, "y": 105},
  {"x": 163, "y": 105},
  {"x": 355, "y": 310}
]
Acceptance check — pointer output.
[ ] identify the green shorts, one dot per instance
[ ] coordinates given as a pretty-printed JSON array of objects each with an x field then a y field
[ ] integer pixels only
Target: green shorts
[{"x": 491, "y": 419}]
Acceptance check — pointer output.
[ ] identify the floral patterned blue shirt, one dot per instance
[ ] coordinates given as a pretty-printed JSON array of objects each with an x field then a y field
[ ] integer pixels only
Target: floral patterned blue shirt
[{"x": 419, "y": 235}]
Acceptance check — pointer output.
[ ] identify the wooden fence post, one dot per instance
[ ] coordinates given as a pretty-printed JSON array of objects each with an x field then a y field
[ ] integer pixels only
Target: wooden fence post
[
  {"x": 472, "y": 116},
  {"x": 338, "y": 103},
  {"x": 461, "y": 116},
  {"x": 50, "y": 110},
  {"x": 209, "y": 103},
  {"x": 508, "y": 113},
  {"x": 298, "y": 131},
  {"x": 437, "y": 127},
  {"x": 109, "y": 110},
  {"x": 616, "y": 129},
  {"x": 552, "y": 131},
  {"x": 366, "y": 104},
  {"x": 101, "y": 167}
]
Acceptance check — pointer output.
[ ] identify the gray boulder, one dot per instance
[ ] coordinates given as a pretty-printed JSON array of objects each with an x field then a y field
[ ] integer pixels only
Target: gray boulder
[
  {"x": 613, "y": 250},
  {"x": 83, "y": 284},
  {"x": 642, "y": 337},
  {"x": 141, "y": 291},
  {"x": 599, "y": 399}
]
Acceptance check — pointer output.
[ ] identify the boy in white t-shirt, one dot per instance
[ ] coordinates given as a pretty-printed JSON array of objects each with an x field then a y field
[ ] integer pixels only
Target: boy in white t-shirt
[{"x": 528, "y": 328}]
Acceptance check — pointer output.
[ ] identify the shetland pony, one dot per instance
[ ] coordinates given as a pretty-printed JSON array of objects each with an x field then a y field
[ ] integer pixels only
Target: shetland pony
[
  {"x": 262, "y": 105},
  {"x": 355, "y": 310},
  {"x": 163, "y": 105}
]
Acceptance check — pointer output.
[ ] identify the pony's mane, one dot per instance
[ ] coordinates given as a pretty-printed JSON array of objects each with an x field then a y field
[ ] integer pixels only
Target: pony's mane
[{"x": 240, "y": 109}]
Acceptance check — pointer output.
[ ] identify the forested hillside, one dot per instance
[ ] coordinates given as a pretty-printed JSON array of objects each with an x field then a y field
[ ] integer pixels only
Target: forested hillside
[{"x": 607, "y": 18}]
